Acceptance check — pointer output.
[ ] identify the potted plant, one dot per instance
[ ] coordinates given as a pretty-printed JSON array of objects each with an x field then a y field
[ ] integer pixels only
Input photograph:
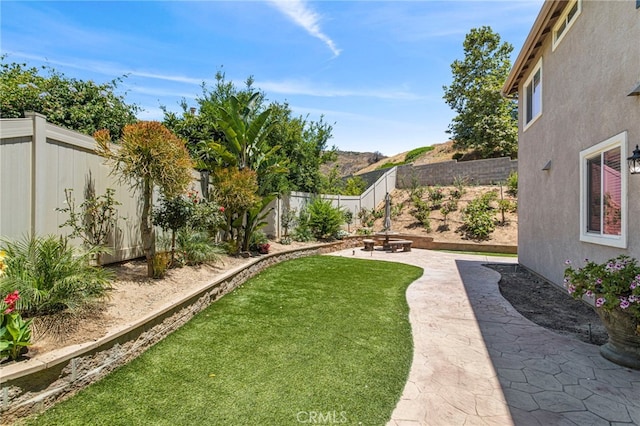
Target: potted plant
[{"x": 614, "y": 286}]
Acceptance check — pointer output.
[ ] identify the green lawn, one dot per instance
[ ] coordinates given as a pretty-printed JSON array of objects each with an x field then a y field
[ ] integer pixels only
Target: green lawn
[{"x": 320, "y": 339}]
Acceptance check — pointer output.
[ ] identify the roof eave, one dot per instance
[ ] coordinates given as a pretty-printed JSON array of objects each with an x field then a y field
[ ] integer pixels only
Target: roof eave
[{"x": 532, "y": 42}]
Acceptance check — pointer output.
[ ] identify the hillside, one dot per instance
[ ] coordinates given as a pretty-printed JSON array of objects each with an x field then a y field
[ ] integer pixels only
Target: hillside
[
  {"x": 350, "y": 163},
  {"x": 355, "y": 163}
]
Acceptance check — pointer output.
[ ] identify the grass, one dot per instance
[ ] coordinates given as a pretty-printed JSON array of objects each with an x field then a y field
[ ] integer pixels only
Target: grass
[{"x": 315, "y": 338}]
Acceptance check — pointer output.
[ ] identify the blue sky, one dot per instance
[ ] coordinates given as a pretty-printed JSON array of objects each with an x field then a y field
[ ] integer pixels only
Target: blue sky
[{"x": 374, "y": 69}]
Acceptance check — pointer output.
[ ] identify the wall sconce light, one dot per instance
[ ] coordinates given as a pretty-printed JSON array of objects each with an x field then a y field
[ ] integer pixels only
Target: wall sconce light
[{"x": 634, "y": 162}]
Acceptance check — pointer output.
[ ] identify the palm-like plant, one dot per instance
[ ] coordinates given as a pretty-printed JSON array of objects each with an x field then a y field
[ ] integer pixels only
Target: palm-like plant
[{"x": 51, "y": 275}]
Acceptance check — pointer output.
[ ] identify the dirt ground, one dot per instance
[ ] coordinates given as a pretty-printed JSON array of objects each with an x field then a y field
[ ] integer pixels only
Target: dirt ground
[
  {"x": 134, "y": 295},
  {"x": 549, "y": 306}
]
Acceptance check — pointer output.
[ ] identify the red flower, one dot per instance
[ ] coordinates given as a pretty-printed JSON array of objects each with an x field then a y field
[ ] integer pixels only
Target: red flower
[
  {"x": 12, "y": 298},
  {"x": 221, "y": 209}
]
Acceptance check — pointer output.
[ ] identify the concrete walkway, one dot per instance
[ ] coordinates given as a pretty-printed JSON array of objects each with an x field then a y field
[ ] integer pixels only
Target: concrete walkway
[{"x": 477, "y": 361}]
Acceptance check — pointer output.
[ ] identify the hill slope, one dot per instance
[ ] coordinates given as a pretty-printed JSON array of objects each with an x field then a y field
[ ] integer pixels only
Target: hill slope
[{"x": 355, "y": 163}]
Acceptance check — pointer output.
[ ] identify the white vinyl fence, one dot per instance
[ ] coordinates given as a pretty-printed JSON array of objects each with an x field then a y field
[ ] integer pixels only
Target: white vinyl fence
[
  {"x": 370, "y": 199},
  {"x": 39, "y": 160}
]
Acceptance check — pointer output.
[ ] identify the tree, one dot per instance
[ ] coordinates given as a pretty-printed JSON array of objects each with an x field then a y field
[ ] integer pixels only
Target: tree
[
  {"x": 235, "y": 190},
  {"x": 303, "y": 149},
  {"x": 79, "y": 105},
  {"x": 148, "y": 156},
  {"x": 486, "y": 121}
]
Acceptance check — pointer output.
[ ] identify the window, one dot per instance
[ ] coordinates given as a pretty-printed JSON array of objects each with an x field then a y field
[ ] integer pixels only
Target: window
[
  {"x": 566, "y": 20},
  {"x": 603, "y": 193},
  {"x": 533, "y": 95}
]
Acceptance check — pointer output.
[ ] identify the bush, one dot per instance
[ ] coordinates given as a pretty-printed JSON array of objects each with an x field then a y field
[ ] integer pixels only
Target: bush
[
  {"x": 479, "y": 221},
  {"x": 324, "y": 219},
  {"x": 96, "y": 219},
  {"x": 303, "y": 232},
  {"x": 512, "y": 184},
  {"x": 288, "y": 220},
  {"x": 257, "y": 239},
  {"x": 447, "y": 208},
  {"x": 354, "y": 185},
  {"x": 196, "y": 247},
  {"x": 341, "y": 234},
  {"x": 435, "y": 195},
  {"x": 51, "y": 275},
  {"x": 421, "y": 212}
]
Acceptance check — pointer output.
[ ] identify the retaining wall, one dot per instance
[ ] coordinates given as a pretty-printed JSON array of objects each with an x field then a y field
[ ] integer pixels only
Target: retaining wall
[{"x": 478, "y": 172}]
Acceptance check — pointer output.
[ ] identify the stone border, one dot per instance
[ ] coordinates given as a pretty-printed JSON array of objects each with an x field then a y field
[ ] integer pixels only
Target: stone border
[{"x": 35, "y": 385}]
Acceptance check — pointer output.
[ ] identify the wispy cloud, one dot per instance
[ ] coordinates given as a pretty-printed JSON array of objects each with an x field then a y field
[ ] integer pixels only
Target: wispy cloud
[
  {"x": 307, "y": 18},
  {"x": 313, "y": 89}
]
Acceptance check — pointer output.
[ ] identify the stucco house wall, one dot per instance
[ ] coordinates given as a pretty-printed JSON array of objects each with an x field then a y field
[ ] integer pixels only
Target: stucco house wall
[{"x": 585, "y": 85}]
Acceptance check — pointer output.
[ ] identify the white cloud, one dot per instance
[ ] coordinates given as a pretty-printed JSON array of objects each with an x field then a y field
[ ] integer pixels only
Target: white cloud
[
  {"x": 313, "y": 89},
  {"x": 301, "y": 14}
]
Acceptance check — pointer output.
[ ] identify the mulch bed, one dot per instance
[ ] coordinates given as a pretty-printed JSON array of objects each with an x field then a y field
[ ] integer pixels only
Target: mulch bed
[{"x": 548, "y": 305}]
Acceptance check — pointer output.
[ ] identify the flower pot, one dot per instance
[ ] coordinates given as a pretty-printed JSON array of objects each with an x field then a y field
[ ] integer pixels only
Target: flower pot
[{"x": 623, "y": 347}]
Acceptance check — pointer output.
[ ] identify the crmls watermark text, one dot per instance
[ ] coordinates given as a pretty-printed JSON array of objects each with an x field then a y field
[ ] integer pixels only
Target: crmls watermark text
[{"x": 318, "y": 417}]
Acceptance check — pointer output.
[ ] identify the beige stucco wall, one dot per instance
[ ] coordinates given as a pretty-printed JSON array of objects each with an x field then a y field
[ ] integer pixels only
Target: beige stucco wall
[{"x": 585, "y": 85}]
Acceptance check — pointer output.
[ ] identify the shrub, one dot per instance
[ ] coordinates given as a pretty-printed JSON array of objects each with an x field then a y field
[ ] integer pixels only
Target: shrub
[
  {"x": 341, "y": 234},
  {"x": 354, "y": 185},
  {"x": 96, "y": 219},
  {"x": 257, "y": 239},
  {"x": 303, "y": 232},
  {"x": 421, "y": 212},
  {"x": 161, "y": 262},
  {"x": 196, "y": 247},
  {"x": 51, "y": 275},
  {"x": 172, "y": 215},
  {"x": 435, "y": 195},
  {"x": 364, "y": 231},
  {"x": 478, "y": 216},
  {"x": 348, "y": 218},
  {"x": 512, "y": 184},
  {"x": 324, "y": 219},
  {"x": 366, "y": 216},
  {"x": 289, "y": 219},
  {"x": 447, "y": 208},
  {"x": 459, "y": 183}
]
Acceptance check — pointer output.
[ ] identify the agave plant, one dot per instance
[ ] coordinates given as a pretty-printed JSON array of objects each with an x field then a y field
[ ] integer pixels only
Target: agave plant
[{"x": 51, "y": 275}]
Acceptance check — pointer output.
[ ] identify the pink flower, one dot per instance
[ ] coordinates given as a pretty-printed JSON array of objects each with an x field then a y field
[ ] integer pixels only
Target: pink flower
[
  {"x": 600, "y": 301},
  {"x": 624, "y": 303},
  {"x": 221, "y": 209},
  {"x": 571, "y": 289},
  {"x": 589, "y": 293}
]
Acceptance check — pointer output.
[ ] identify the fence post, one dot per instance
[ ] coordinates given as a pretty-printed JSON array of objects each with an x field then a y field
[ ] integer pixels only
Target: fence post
[{"x": 38, "y": 167}]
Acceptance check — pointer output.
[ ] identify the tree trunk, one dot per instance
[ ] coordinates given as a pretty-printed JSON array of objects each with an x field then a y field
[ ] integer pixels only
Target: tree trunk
[{"x": 146, "y": 227}]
